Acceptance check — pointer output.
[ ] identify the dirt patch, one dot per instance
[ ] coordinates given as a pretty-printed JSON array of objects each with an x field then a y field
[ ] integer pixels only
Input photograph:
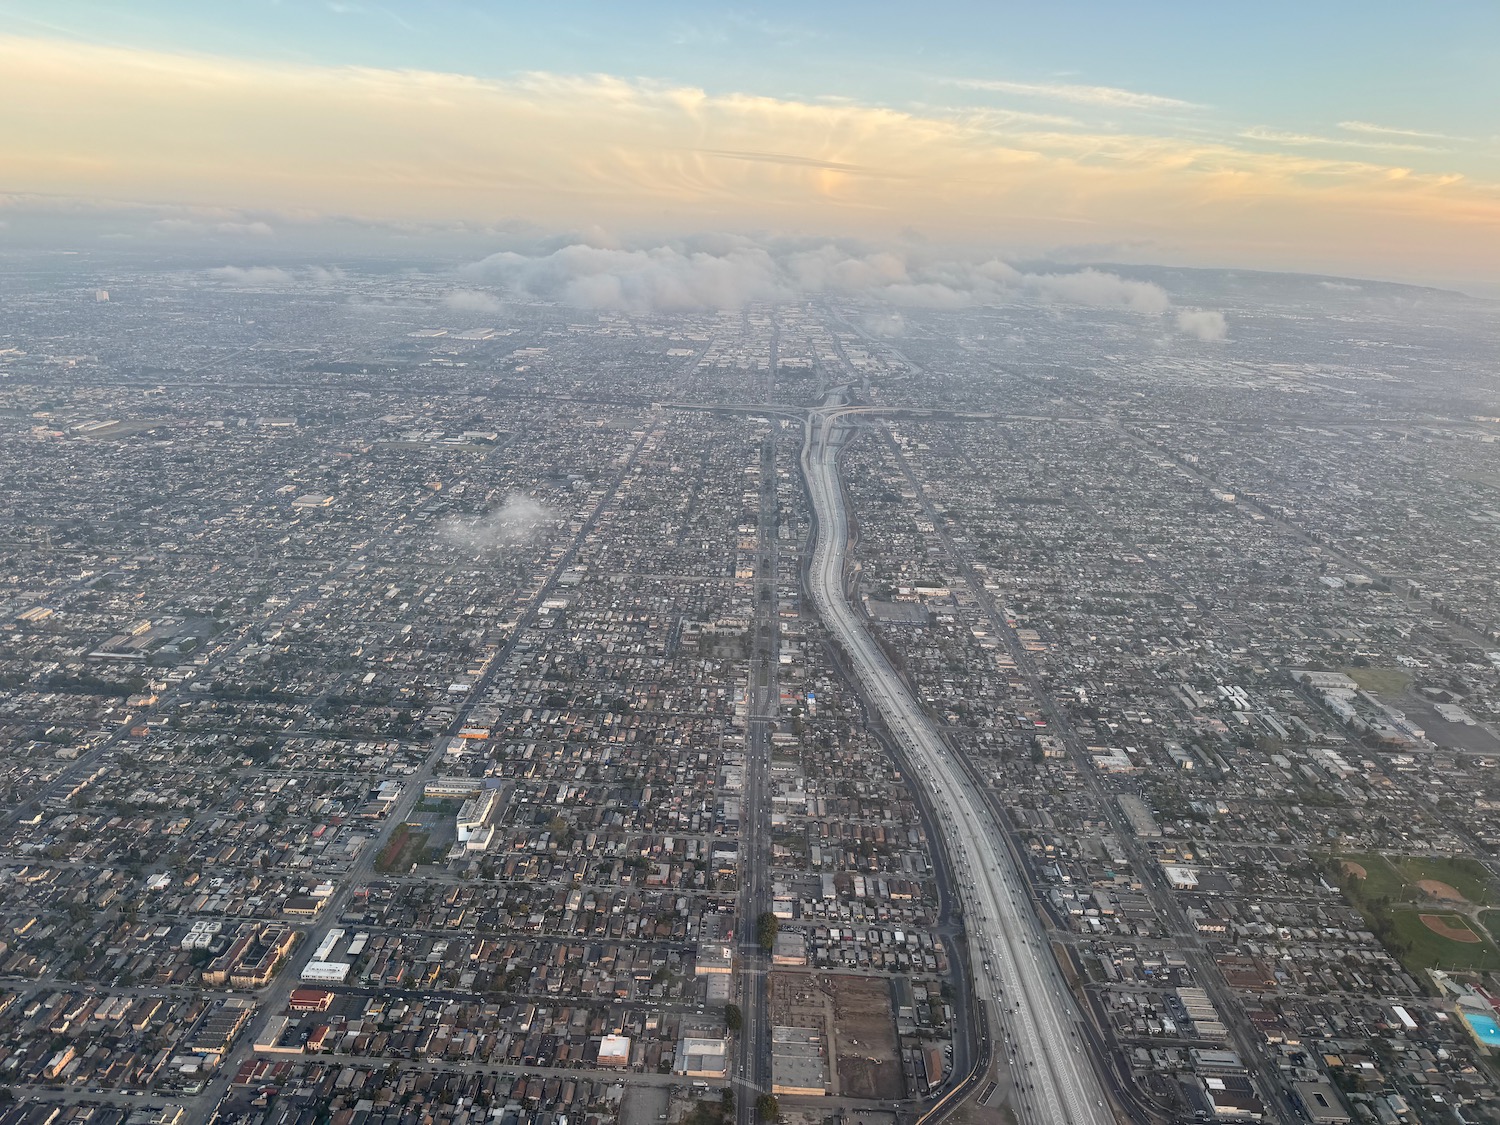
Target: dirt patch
[
  {"x": 972, "y": 1113},
  {"x": 1357, "y": 870},
  {"x": 812, "y": 1113},
  {"x": 643, "y": 1105},
  {"x": 860, "y": 1076},
  {"x": 1434, "y": 888},
  {"x": 402, "y": 850},
  {"x": 1451, "y": 927},
  {"x": 854, "y": 1014}
]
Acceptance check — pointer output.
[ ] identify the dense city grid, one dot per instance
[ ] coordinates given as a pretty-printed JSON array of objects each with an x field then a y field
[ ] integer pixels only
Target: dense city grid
[{"x": 547, "y": 715}]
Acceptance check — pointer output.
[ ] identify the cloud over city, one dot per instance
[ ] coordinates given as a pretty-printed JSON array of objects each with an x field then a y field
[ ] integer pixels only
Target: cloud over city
[
  {"x": 472, "y": 301},
  {"x": 518, "y": 521},
  {"x": 1203, "y": 324},
  {"x": 727, "y": 272},
  {"x": 274, "y": 277}
]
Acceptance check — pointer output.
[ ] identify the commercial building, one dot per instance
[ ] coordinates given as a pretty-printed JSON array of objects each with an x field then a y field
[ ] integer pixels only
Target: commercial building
[
  {"x": 789, "y": 949},
  {"x": 474, "y": 830},
  {"x": 614, "y": 1050},
  {"x": 799, "y": 1061},
  {"x": 327, "y": 972},
  {"x": 714, "y": 958},
  {"x": 1321, "y": 1102},
  {"x": 310, "y": 1000},
  {"x": 701, "y": 1058}
]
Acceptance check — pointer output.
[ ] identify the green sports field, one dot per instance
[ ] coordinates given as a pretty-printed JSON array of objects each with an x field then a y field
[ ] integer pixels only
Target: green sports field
[{"x": 1426, "y": 949}]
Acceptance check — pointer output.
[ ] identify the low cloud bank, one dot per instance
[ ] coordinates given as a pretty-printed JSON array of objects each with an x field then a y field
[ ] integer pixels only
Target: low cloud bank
[
  {"x": 727, "y": 272},
  {"x": 268, "y": 277},
  {"x": 472, "y": 300}
]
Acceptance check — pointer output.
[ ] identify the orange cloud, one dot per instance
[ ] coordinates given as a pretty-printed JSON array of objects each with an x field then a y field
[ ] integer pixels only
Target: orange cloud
[{"x": 91, "y": 120}]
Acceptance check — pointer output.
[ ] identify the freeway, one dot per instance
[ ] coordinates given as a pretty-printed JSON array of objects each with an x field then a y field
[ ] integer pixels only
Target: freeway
[{"x": 1017, "y": 978}]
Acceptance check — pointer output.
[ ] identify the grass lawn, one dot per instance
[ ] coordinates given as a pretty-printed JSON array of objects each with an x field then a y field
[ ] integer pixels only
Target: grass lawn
[
  {"x": 1428, "y": 950},
  {"x": 1389, "y": 682},
  {"x": 1381, "y": 879},
  {"x": 1466, "y": 876},
  {"x": 1490, "y": 920}
]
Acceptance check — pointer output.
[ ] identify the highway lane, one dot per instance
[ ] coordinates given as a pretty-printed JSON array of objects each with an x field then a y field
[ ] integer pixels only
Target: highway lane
[{"x": 1016, "y": 974}]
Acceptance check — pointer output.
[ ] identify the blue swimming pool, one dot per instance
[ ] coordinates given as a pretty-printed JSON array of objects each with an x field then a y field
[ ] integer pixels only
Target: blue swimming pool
[{"x": 1485, "y": 1027}]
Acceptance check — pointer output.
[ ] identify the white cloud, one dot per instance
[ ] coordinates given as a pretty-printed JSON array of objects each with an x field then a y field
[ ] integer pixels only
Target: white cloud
[
  {"x": 1108, "y": 96},
  {"x": 257, "y": 277},
  {"x": 887, "y": 324},
  {"x": 927, "y": 295},
  {"x": 263, "y": 277},
  {"x": 739, "y": 272},
  {"x": 658, "y": 280},
  {"x": 472, "y": 300},
  {"x": 992, "y": 117},
  {"x": 830, "y": 269},
  {"x": 516, "y": 522},
  {"x": 1367, "y": 127},
  {"x": 1203, "y": 324},
  {"x": 1279, "y": 136},
  {"x": 197, "y": 228},
  {"x": 1105, "y": 290}
]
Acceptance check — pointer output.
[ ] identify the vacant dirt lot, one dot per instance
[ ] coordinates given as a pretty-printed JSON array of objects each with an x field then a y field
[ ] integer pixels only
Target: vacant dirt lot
[{"x": 854, "y": 1014}]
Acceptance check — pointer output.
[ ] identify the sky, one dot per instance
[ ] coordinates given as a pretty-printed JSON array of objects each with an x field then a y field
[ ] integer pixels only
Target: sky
[{"x": 1323, "y": 136}]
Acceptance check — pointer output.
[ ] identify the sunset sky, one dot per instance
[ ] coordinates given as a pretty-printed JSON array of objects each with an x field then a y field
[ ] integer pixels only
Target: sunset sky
[{"x": 1359, "y": 138}]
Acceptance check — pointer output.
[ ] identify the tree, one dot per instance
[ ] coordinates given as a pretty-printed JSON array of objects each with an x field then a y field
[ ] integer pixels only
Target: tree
[
  {"x": 734, "y": 1019},
  {"x": 767, "y": 926},
  {"x": 767, "y": 1108}
]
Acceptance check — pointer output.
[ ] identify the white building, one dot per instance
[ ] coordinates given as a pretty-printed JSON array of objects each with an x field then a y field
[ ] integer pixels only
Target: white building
[
  {"x": 614, "y": 1050},
  {"x": 473, "y": 815},
  {"x": 326, "y": 972}
]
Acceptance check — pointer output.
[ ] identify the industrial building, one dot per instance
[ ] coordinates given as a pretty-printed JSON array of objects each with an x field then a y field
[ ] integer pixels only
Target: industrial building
[
  {"x": 799, "y": 1061},
  {"x": 701, "y": 1058}
]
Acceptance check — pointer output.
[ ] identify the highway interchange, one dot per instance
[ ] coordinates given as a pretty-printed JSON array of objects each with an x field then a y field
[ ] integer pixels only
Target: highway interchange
[{"x": 1017, "y": 978}]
